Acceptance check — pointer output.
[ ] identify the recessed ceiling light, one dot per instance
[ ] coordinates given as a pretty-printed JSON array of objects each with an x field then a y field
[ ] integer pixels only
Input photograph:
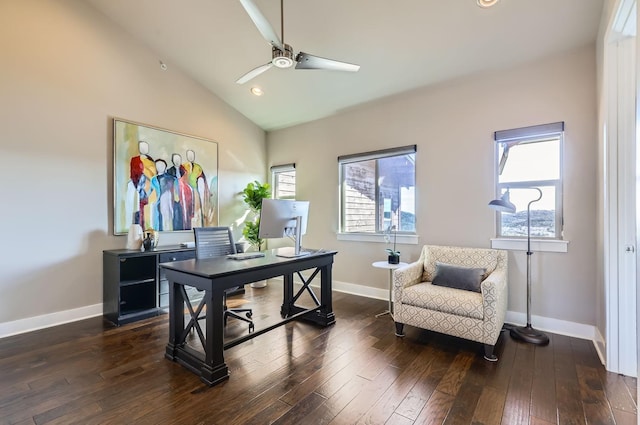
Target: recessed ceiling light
[
  {"x": 486, "y": 3},
  {"x": 257, "y": 91},
  {"x": 163, "y": 66}
]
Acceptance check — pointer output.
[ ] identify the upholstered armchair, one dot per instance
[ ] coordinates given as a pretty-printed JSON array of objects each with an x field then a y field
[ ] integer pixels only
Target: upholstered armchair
[{"x": 455, "y": 291}]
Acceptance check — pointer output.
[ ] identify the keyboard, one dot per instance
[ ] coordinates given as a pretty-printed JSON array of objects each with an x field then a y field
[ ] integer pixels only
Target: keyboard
[{"x": 245, "y": 255}]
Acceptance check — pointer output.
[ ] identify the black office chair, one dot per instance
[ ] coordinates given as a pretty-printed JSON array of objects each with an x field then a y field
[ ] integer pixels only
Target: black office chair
[{"x": 216, "y": 242}]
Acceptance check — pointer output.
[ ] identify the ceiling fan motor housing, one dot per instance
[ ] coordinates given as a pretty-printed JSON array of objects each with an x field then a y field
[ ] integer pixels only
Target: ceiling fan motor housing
[{"x": 282, "y": 58}]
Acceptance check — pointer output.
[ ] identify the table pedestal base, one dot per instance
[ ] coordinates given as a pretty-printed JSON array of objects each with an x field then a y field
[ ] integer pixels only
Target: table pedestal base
[
  {"x": 391, "y": 268},
  {"x": 385, "y": 312}
]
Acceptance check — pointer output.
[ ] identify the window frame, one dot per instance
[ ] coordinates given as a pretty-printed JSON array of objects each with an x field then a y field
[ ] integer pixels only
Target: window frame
[
  {"x": 277, "y": 169},
  {"x": 366, "y": 156},
  {"x": 532, "y": 134}
]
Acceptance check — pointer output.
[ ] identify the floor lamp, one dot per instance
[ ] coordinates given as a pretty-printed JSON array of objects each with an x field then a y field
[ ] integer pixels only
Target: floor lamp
[{"x": 523, "y": 333}]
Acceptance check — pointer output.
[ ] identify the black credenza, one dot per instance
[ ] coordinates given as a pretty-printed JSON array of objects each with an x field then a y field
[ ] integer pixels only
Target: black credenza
[{"x": 133, "y": 286}]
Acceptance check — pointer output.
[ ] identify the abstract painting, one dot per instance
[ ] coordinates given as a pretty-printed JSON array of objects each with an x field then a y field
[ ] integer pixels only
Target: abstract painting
[{"x": 163, "y": 180}]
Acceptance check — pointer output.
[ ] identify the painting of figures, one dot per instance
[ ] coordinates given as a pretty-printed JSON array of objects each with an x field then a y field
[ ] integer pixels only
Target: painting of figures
[{"x": 163, "y": 180}]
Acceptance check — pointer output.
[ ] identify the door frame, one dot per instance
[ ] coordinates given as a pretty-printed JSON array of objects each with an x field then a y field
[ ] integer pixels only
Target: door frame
[{"x": 620, "y": 76}]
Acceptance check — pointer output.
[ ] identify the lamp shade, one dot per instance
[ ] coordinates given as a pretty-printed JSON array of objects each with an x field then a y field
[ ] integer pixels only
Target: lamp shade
[{"x": 503, "y": 204}]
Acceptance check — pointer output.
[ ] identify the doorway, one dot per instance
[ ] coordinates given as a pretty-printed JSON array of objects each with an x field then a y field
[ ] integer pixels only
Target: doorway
[{"x": 619, "y": 167}]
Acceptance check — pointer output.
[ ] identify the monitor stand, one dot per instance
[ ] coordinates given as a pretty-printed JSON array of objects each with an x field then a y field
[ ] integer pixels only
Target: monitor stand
[{"x": 296, "y": 250}]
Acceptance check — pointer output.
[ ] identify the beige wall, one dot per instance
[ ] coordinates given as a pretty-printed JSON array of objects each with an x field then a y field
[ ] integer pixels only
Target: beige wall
[
  {"x": 65, "y": 71},
  {"x": 452, "y": 125}
]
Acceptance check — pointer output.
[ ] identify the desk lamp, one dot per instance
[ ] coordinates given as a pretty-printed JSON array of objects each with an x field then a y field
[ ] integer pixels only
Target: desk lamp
[{"x": 523, "y": 333}]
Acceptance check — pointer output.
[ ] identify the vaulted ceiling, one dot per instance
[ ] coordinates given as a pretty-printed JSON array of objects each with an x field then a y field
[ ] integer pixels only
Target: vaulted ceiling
[{"x": 401, "y": 45}]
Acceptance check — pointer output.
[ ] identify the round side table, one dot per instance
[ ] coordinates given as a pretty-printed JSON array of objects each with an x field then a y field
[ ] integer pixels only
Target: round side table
[{"x": 391, "y": 268}]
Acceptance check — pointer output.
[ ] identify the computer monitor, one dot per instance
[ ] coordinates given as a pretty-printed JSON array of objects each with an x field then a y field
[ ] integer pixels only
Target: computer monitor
[{"x": 281, "y": 218}]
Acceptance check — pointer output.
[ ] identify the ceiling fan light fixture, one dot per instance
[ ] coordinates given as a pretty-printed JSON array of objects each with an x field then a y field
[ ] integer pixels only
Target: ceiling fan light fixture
[
  {"x": 282, "y": 58},
  {"x": 486, "y": 3},
  {"x": 282, "y": 62}
]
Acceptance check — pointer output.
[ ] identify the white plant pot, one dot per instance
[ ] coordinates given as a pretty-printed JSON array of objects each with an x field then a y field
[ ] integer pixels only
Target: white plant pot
[{"x": 259, "y": 284}]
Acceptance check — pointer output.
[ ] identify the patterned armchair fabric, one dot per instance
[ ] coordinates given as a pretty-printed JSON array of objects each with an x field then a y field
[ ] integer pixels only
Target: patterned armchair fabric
[{"x": 475, "y": 316}]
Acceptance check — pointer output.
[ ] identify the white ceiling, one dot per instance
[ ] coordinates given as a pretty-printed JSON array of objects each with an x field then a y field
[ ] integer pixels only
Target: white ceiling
[{"x": 399, "y": 44}]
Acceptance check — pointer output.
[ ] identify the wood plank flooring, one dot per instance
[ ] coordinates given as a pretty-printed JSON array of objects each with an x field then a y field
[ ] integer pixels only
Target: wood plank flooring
[{"x": 355, "y": 372}]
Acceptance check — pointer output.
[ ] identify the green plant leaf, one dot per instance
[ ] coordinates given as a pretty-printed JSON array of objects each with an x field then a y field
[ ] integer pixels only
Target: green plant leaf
[
  {"x": 254, "y": 193},
  {"x": 250, "y": 233}
]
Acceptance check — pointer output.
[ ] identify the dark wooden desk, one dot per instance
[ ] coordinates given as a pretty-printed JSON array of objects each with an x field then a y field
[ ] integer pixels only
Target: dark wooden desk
[{"x": 215, "y": 275}]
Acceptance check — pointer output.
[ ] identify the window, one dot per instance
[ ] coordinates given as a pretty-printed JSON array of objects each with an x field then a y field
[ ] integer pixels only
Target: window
[
  {"x": 530, "y": 158},
  {"x": 377, "y": 190},
  {"x": 284, "y": 181}
]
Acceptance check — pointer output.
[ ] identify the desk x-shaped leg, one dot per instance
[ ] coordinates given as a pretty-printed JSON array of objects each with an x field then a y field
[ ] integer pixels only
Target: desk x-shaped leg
[
  {"x": 210, "y": 365},
  {"x": 193, "y": 322},
  {"x": 288, "y": 307},
  {"x": 305, "y": 286}
]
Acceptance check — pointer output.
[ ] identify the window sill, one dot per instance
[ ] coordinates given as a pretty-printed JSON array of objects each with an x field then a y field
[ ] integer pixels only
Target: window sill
[
  {"x": 376, "y": 237},
  {"x": 540, "y": 245}
]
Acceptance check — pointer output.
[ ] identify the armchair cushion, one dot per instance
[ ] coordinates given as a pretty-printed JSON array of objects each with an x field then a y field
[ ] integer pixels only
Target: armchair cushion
[
  {"x": 452, "y": 276},
  {"x": 428, "y": 296}
]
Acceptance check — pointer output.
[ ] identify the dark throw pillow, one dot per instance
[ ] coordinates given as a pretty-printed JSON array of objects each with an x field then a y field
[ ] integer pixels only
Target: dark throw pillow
[{"x": 458, "y": 277}]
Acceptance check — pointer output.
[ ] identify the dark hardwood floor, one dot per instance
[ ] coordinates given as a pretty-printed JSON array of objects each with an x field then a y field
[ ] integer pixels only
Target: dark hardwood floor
[{"x": 355, "y": 372}]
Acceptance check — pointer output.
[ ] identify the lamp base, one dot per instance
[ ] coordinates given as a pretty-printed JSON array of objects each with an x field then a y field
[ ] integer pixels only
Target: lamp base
[{"x": 530, "y": 335}]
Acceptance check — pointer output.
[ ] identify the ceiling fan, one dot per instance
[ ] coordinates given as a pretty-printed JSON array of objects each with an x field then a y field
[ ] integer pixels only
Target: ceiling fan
[{"x": 282, "y": 55}]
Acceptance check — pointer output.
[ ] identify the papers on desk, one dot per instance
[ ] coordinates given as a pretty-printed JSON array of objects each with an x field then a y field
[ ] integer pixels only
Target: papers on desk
[{"x": 245, "y": 255}]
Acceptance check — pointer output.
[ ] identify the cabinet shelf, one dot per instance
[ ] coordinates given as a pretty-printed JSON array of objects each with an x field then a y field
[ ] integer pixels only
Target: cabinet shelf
[
  {"x": 136, "y": 282},
  {"x": 133, "y": 287}
]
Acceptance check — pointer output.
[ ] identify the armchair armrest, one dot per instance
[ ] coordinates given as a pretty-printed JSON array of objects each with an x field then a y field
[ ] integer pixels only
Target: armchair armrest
[
  {"x": 408, "y": 275},
  {"x": 495, "y": 295}
]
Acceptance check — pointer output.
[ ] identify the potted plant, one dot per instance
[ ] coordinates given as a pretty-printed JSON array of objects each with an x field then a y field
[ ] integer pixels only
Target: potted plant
[
  {"x": 393, "y": 254},
  {"x": 253, "y": 195}
]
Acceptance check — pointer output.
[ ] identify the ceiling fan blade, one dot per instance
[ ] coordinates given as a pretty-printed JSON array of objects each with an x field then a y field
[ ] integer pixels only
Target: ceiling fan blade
[
  {"x": 262, "y": 24},
  {"x": 254, "y": 73},
  {"x": 307, "y": 61}
]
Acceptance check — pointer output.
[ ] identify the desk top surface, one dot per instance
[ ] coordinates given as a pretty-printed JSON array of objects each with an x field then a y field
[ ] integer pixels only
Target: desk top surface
[{"x": 221, "y": 266}]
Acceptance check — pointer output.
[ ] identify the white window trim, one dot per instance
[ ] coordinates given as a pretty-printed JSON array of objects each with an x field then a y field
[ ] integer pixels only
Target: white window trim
[
  {"x": 537, "y": 245},
  {"x": 405, "y": 239}
]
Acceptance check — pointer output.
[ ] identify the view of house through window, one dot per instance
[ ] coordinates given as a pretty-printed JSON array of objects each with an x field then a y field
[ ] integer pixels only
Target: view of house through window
[
  {"x": 529, "y": 158},
  {"x": 378, "y": 191},
  {"x": 284, "y": 181}
]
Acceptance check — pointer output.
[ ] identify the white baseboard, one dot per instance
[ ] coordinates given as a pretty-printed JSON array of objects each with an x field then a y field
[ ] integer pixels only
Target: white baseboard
[
  {"x": 48, "y": 320},
  {"x": 557, "y": 326},
  {"x": 601, "y": 346},
  {"x": 360, "y": 290}
]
